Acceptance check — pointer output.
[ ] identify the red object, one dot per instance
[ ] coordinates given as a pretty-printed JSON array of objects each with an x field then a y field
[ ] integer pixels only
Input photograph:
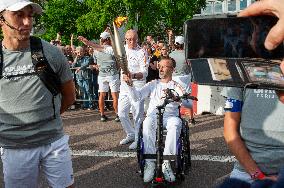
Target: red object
[
  {"x": 260, "y": 176},
  {"x": 257, "y": 175},
  {"x": 160, "y": 180},
  {"x": 183, "y": 111},
  {"x": 194, "y": 92}
]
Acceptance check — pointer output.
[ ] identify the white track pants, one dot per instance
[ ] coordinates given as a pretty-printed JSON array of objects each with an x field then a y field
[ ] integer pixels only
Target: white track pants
[
  {"x": 124, "y": 105},
  {"x": 173, "y": 126}
]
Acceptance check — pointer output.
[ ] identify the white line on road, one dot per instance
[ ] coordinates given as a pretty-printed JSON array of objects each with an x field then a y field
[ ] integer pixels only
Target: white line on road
[{"x": 96, "y": 153}]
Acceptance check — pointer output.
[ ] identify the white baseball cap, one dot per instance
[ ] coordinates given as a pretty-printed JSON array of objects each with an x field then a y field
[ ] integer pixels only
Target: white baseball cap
[
  {"x": 179, "y": 40},
  {"x": 16, "y": 5},
  {"x": 105, "y": 35}
]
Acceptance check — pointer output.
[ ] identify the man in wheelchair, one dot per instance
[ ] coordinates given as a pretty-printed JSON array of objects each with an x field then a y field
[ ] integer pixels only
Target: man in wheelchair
[{"x": 171, "y": 121}]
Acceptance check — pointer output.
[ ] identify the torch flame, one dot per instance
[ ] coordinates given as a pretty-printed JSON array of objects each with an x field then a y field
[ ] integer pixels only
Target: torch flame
[{"x": 119, "y": 21}]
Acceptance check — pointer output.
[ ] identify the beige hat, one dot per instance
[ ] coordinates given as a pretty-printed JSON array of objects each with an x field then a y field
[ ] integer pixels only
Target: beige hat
[{"x": 16, "y": 5}]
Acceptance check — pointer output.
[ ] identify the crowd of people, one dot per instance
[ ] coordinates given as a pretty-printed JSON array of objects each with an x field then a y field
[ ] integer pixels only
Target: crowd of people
[
  {"x": 96, "y": 70},
  {"x": 96, "y": 64},
  {"x": 31, "y": 130}
]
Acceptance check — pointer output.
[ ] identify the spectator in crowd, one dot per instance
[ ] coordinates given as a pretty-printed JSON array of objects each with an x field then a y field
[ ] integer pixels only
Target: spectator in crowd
[
  {"x": 147, "y": 48},
  {"x": 138, "y": 67},
  {"x": 31, "y": 133},
  {"x": 153, "y": 72},
  {"x": 150, "y": 40},
  {"x": 94, "y": 75},
  {"x": 57, "y": 41},
  {"x": 83, "y": 76},
  {"x": 156, "y": 89},
  {"x": 165, "y": 51},
  {"x": 68, "y": 54},
  {"x": 159, "y": 46},
  {"x": 108, "y": 71},
  {"x": 182, "y": 73},
  {"x": 170, "y": 34},
  {"x": 72, "y": 45}
]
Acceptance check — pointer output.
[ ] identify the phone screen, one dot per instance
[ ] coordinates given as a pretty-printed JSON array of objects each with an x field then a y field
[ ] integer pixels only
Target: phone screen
[
  {"x": 269, "y": 73},
  {"x": 234, "y": 37},
  {"x": 238, "y": 72},
  {"x": 216, "y": 71},
  {"x": 219, "y": 69}
]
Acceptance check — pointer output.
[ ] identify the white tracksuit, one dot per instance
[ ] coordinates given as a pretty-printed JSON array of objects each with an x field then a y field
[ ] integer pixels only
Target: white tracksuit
[
  {"x": 137, "y": 62},
  {"x": 170, "y": 119}
]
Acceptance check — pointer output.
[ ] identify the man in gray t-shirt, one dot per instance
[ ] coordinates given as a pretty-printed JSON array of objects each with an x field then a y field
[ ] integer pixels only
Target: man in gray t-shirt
[
  {"x": 182, "y": 73},
  {"x": 31, "y": 131},
  {"x": 108, "y": 77},
  {"x": 254, "y": 132}
]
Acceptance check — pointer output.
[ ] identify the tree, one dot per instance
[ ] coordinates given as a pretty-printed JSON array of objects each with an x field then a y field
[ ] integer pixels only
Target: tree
[
  {"x": 90, "y": 17},
  {"x": 175, "y": 12},
  {"x": 61, "y": 16}
]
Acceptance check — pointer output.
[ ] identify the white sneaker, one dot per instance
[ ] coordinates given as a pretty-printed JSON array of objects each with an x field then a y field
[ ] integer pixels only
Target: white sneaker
[
  {"x": 168, "y": 172},
  {"x": 133, "y": 145},
  {"x": 126, "y": 140},
  {"x": 149, "y": 171}
]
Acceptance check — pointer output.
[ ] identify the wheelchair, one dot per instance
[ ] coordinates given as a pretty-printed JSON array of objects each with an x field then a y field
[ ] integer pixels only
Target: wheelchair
[{"x": 181, "y": 162}]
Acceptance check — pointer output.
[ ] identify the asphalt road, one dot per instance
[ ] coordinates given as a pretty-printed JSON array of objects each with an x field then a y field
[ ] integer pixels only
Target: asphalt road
[{"x": 99, "y": 160}]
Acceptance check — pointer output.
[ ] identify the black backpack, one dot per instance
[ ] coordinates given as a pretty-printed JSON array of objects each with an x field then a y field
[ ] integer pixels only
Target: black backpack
[{"x": 42, "y": 68}]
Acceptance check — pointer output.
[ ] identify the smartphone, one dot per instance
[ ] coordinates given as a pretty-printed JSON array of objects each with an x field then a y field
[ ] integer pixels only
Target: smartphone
[
  {"x": 230, "y": 52},
  {"x": 232, "y": 37}
]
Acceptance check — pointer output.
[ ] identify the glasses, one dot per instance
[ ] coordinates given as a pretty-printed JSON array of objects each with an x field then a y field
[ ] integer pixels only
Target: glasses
[
  {"x": 130, "y": 39},
  {"x": 164, "y": 66},
  {"x": 164, "y": 49}
]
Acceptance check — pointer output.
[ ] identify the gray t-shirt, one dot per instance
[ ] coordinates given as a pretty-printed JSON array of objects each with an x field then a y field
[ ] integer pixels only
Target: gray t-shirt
[
  {"x": 26, "y": 108},
  {"x": 261, "y": 127},
  {"x": 181, "y": 67},
  {"x": 106, "y": 62}
]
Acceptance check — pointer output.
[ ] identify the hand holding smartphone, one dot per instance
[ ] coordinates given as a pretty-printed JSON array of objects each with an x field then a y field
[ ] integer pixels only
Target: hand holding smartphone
[{"x": 231, "y": 52}]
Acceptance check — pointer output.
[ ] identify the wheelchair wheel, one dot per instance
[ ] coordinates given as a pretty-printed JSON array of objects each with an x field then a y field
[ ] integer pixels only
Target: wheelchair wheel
[
  {"x": 140, "y": 151},
  {"x": 186, "y": 148},
  {"x": 179, "y": 161}
]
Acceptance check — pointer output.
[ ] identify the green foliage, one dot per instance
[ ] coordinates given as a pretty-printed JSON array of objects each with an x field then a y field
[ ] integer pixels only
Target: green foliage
[
  {"x": 61, "y": 16},
  {"x": 90, "y": 17}
]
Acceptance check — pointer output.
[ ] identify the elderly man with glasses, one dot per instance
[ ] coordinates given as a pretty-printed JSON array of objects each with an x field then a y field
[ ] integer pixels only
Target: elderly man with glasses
[{"x": 138, "y": 67}]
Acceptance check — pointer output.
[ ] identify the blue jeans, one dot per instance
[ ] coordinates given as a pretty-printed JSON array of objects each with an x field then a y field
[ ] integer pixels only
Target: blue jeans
[
  {"x": 84, "y": 85},
  {"x": 95, "y": 86}
]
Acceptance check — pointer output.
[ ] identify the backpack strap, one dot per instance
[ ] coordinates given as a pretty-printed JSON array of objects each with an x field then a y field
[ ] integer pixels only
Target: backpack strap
[{"x": 43, "y": 69}]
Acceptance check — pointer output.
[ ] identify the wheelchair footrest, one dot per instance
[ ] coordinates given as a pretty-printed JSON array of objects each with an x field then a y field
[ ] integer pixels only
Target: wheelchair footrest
[{"x": 154, "y": 156}]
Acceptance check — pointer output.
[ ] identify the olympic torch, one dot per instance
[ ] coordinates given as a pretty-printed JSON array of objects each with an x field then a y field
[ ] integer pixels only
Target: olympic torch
[{"x": 118, "y": 46}]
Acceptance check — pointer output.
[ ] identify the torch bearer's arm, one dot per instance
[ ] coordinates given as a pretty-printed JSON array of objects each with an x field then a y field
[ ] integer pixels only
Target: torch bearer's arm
[{"x": 92, "y": 44}]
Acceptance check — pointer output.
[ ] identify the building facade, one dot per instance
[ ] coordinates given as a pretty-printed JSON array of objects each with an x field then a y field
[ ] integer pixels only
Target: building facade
[{"x": 214, "y": 7}]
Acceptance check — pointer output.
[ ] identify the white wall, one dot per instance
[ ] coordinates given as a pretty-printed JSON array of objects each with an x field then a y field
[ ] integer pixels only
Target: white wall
[{"x": 210, "y": 100}]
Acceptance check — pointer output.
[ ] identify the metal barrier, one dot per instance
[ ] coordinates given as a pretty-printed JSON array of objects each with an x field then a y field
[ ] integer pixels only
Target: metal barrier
[{"x": 93, "y": 84}]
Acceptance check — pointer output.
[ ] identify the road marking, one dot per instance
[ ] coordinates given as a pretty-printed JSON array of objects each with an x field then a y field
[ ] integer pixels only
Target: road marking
[{"x": 96, "y": 153}]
